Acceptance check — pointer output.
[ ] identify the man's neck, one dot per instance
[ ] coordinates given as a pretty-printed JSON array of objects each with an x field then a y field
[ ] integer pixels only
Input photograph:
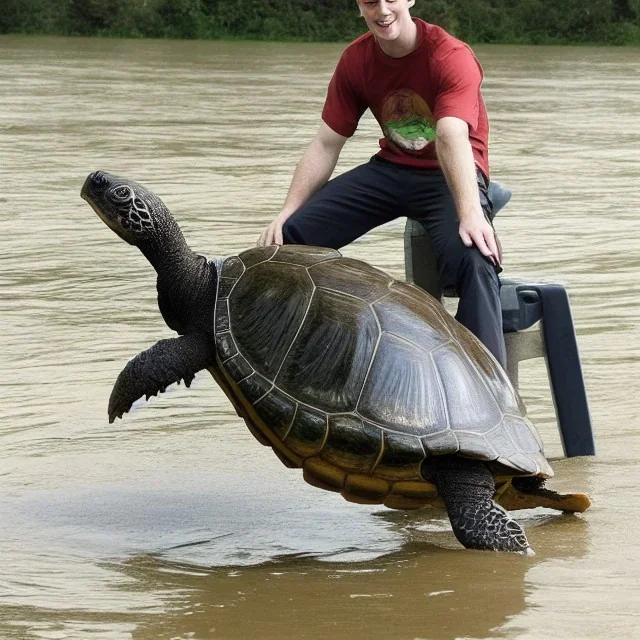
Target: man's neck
[{"x": 405, "y": 44}]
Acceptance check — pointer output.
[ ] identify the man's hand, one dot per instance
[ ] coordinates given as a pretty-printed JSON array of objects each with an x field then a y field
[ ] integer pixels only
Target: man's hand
[
  {"x": 313, "y": 170},
  {"x": 456, "y": 159},
  {"x": 273, "y": 233},
  {"x": 476, "y": 230}
]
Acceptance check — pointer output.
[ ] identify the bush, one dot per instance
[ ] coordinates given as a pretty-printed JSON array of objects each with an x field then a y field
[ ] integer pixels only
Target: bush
[{"x": 516, "y": 21}]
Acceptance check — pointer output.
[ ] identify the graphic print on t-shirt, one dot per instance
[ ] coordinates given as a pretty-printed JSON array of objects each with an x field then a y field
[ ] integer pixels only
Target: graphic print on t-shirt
[{"x": 407, "y": 121}]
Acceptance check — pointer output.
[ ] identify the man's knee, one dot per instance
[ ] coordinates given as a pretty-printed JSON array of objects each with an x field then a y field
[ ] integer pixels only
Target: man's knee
[
  {"x": 475, "y": 268},
  {"x": 292, "y": 232}
]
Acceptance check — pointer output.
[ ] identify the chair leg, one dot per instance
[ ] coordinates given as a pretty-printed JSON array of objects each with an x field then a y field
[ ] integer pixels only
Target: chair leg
[{"x": 565, "y": 371}]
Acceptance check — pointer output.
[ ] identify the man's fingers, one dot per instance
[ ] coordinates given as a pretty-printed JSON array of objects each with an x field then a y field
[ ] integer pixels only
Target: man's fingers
[
  {"x": 466, "y": 238},
  {"x": 486, "y": 246},
  {"x": 277, "y": 237},
  {"x": 271, "y": 235},
  {"x": 480, "y": 241},
  {"x": 490, "y": 240},
  {"x": 499, "y": 245},
  {"x": 485, "y": 239}
]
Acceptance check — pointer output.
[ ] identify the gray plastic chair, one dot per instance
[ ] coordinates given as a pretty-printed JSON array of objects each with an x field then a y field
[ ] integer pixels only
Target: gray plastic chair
[{"x": 537, "y": 323}]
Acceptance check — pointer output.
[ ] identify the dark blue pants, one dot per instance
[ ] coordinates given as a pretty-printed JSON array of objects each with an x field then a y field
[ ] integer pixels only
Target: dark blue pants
[{"x": 380, "y": 191}]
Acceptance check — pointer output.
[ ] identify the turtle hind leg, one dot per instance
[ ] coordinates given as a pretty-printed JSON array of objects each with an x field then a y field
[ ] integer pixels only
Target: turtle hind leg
[
  {"x": 530, "y": 492},
  {"x": 467, "y": 488},
  {"x": 528, "y": 483}
]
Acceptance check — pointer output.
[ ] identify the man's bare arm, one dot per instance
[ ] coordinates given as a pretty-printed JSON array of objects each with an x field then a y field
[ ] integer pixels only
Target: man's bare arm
[
  {"x": 313, "y": 171},
  {"x": 456, "y": 159}
]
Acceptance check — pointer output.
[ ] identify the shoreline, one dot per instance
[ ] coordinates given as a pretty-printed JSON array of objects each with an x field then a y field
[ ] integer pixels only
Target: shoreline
[{"x": 302, "y": 40}]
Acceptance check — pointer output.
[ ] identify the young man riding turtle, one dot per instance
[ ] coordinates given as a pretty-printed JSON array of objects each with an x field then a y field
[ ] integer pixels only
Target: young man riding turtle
[{"x": 423, "y": 87}]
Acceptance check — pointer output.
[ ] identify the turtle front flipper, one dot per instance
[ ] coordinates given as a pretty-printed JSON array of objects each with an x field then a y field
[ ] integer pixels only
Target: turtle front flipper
[{"x": 152, "y": 371}]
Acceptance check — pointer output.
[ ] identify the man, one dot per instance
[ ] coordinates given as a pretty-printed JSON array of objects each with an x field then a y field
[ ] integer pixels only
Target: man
[{"x": 423, "y": 87}]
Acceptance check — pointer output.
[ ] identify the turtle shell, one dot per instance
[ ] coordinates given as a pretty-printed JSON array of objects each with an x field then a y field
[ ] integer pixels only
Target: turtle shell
[{"x": 360, "y": 379}]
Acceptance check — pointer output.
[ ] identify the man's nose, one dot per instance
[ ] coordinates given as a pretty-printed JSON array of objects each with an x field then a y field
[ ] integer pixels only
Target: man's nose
[{"x": 383, "y": 8}]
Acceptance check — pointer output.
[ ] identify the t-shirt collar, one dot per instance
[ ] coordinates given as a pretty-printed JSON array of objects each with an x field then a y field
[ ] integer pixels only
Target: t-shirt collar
[{"x": 390, "y": 60}]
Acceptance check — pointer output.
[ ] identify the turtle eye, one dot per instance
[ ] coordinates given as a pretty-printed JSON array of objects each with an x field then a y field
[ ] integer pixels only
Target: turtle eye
[{"x": 122, "y": 193}]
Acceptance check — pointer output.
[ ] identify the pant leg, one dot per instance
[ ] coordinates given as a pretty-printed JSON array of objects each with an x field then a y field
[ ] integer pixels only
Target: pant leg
[
  {"x": 465, "y": 268},
  {"x": 348, "y": 206}
]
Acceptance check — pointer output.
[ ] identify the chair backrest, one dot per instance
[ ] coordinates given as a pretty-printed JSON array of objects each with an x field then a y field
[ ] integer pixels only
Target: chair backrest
[{"x": 419, "y": 256}]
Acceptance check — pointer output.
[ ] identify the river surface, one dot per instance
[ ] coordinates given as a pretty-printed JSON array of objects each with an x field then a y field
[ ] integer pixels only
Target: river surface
[{"x": 174, "y": 522}]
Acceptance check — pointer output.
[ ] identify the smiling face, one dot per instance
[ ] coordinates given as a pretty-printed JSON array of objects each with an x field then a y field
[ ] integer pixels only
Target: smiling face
[{"x": 388, "y": 20}]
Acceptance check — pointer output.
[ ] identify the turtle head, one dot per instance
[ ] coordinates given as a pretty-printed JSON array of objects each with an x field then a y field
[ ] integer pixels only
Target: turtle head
[
  {"x": 127, "y": 208},
  {"x": 138, "y": 216}
]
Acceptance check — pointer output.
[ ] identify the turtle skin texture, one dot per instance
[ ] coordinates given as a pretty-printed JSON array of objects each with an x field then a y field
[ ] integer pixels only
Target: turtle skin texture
[{"x": 361, "y": 379}]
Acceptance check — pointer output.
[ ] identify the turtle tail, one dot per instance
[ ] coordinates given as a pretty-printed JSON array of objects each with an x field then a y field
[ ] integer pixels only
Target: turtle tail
[{"x": 467, "y": 488}]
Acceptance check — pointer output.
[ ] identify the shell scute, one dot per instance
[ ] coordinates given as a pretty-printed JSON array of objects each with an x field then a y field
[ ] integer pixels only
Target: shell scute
[
  {"x": 221, "y": 322},
  {"x": 226, "y": 346},
  {"x": 470, "y": 405},
  {"x": 442, "y": 443},
  {"x": 364, "y": 489},
  {"x": 352, "y": 444},
  {"x": 308, "y": 432},
  {"x": 267, "y": 308},
  {"x": 493, "y": 375},
  {"x": 238, "y": 368},
  {"x": 475, "y": 445},
  {"x": 254, "y": 387},
  {"x": 402, "y": 391},
  {"x": 346, "y": 276},
  {"x": 303, "y": 255},
  {"x": 232, "y": 267},
  {"x": 522, "y": 433},
  {"x": 225, "y": 287},
  {"x": 255, "y": 256},
  {"x": 322, "y": 474},
  {"x": 330, "y": 356},
  {"x": 417, "y": 323},
  {"x": 500, "y": 440},
  {"x": 418, "y": 300},
  {"x": 523, "y": 463},
  {"x": 401, "y": 457},
  {"x": 277, "y": 410}
]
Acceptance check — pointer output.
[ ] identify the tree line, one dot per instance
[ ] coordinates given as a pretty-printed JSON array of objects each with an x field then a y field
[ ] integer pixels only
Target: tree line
[{"x": 614, "y": 22}]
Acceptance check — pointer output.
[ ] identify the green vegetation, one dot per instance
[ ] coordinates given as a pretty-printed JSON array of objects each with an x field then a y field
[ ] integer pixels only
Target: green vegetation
[{"x": 613, "y": 22}]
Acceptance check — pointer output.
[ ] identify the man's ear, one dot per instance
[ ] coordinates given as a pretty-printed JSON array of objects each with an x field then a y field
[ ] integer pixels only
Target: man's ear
[
  {"x": 359, "y": 8},
  {"x": 411, "y": 3}
]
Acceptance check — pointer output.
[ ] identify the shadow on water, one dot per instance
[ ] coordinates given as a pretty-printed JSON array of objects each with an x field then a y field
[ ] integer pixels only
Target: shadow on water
[
  {"x": 191, "y": 563},
  {"x": 428, "y": 588},
  {"x": 425, "y": 590}
]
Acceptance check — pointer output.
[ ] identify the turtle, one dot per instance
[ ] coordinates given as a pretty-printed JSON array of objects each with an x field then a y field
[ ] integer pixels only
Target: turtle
[{"x": 365, "y": 382}]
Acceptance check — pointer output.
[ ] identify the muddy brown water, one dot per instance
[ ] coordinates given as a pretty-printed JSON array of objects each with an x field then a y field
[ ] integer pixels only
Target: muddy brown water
[{"x": 175, "y": 523}]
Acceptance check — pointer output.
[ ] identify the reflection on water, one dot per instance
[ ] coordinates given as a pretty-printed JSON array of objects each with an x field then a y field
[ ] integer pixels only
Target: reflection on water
[{"x": 175, "y": 523}]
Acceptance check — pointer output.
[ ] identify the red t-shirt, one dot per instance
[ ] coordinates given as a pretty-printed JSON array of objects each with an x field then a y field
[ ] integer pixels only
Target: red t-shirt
[{"x": 408, "y": 95}]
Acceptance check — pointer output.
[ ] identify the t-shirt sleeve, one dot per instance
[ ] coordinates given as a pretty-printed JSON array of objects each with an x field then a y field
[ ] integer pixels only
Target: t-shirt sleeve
[
  {"x": 343, "y": 107},
  {"x": 460, "y": 77}
]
